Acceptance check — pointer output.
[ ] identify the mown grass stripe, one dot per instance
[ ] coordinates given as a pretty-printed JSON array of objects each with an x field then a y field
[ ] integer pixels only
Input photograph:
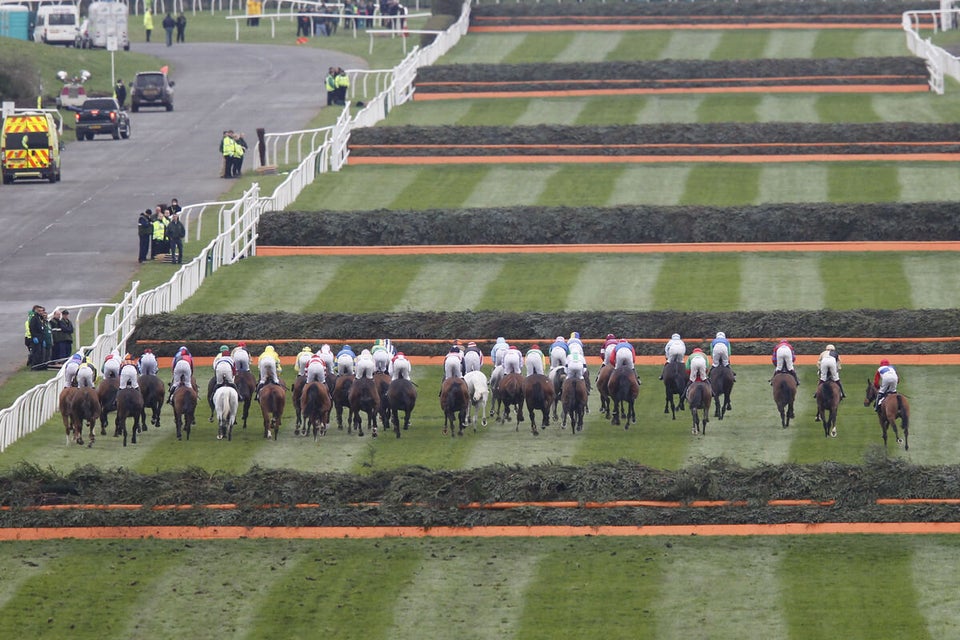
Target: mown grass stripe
[
  {"x": 539, "y": 48},
  {"x": 697, "y": 598},
  {"x": 651, "y": 184},
  {"x": 722, "y": 185},
  {"x": 18, "y": 566},
  {"x": 934, "y": 577},
  {"x": 773, "y": 282},
  {"x": 917, "y": 107},
  {"x": 507, "y": 186},
  {"x": 741, "y": 45},
  {"x": 430, "y": 113},
  {"x": 351, "y": 189},
  {"x": 444, "y": 186},
  {"x": 521, "y": 283},
  {"x": 506, "y": 112},
  {"x": 794, "y": 183},
  {"x": 932, "y": 436},
  {"x": 934, "y": 281},
  {"x": 866, "y": 43},
  {"x": 509, "y": 443},
  {"x": 717, "y": 108},
  {"x": 601, "y": 283},
  {"x": 360, "y": 285},
  {"x": 466, "y": 280},
  {"x": 611, "y": 110},
  {"x": 922, "y": 183},
  {"x": 789, "y": 44},
  {"x": 552, "y": 111},
  {"x": 668, "y": 109},
  {"x": 844, "y": 569},
  {"x": 636, "y": 46},
  {"x": 848, "y": 107},
  {"x": 864, "y": 281},
  {"x": 487, "y": 48},
  {"x": 862, "y": 182},
  {"x": 787, "y": 108},
  {"x": 491, "y": 578},
  {"x": 573, "y": 186},
  {"x": 719, "y": 279},
  {"x": 684, "y": 45},
  {"x": 585, "y": 47}
]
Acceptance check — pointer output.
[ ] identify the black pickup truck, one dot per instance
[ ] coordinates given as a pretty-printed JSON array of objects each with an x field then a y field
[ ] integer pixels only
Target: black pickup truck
[{"x": 102, "y": 115}]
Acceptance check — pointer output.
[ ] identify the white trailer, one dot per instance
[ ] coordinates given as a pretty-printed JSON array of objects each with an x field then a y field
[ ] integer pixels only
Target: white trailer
[{"x": 106, "y": 21}]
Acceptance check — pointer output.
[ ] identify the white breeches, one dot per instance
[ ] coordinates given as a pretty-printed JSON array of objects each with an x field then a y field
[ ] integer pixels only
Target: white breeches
[
  {"x": 784, "y": 359},
  {"x": 366, "y": 367},
  {"x": 624, "y": 358},
  {"x": 888, "y": 382},
  {"x": 558, "y": 357},
  {"x": 70, "y": 373},
  {"x": 698, "y": 367},
  {"x": 576, "y": 347},
  {"x": 85, "y": 377},
  {"x": 401, "y": 369},
  {"x": 575, "y": 369},
  {"x": 316, "y": 372},
  {"x": 224, "y": 373},
  {"x": 182, "y": 372},
  {"x": 472, "y": 361},
  {"x": 512, "y": 362},
  {"x": 128, "y": 377},
  {"x": 345, "y": 366},
  {"x": 828, "y": 369},
  {"x": 451, "y": 367},
  {"x": 303, "y": 360},
  {"x": 496, "y": 356},
  {"x": 721, "y": 355},
  {"x": 111, "y": 368},
  {"x": 148, "y": 365},
  {"x": 328, "y": 361},
  {"x": 381, "y": 359},
  {"x": 676, "y": 353},
  {"x": 268, "y": 370},
  {"x": 241, "y": 359},
  {"x": 534, "y": 363}
]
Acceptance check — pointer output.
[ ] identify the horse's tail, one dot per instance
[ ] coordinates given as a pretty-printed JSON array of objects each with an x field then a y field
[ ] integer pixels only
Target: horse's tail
[
  {"x": 903, "y": 412},
  {"x": 826, "y": 394},
  {"x": 697, "y": 400}
]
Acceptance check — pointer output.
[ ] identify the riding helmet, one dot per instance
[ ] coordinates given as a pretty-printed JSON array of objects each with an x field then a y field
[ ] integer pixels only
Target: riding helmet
[{"x": 884, "y": 363}]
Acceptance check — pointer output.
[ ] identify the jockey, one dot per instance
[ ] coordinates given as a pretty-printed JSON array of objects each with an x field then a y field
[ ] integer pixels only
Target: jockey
[
  {"x": 576, "y": 365},
  {"x": 453, "y": 363},
  {"x": 382, "y": 354},
  {"x": 345, "y": 361},
  {"x": 148, "y": 363},
  {"x": 269, "y": 365},
  {"x": 303, "y": 358},
  {"x": 316, "y": 370},
  {"x": 366, "y": 366},
  {"x": 86, "y": 374},
  {"x": 512, "y": 360},
  {"x": 326, "y": 354},
  {"x": 497, "y": 351},
  {"x": 70, "y": 368},
  {"x": 472, "y": 358},
  {"x": 828, "y": 365},
  {"x": 608, "y": 343},
  {"x": 783, "y": 357},
  {"x": 885, "y": 381},
  {"x": 624, "y": 355},
  {"x": 241, "y": 357},
  {"x": 573, "y": 342},
  {"x": 675, "y": 349},
  {"x": 697, "y": 365},
  {"x": 129, "y": 373},
  {"x": 534, "y": 360},
  {"x": 720, "y": 350},
  {"x": 401, "y": 366},
  {"x": 559, "y": 351},
  {"x": 111, "y": 365},
  {"x": 182, "y": 371},
  {"x": 224, "y": 368}
]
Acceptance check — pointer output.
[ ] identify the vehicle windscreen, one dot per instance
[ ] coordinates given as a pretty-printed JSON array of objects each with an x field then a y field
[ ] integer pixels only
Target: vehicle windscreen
[
  {"x": 62, "y": 19},
  {"x": 31, "y": 140},
  {"x": 102, "y": 103},
  {"x": 152, "y": 82}
]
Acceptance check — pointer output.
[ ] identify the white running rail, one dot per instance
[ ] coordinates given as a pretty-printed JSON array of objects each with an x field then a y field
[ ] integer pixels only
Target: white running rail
[{"x": 940, "y": 62}]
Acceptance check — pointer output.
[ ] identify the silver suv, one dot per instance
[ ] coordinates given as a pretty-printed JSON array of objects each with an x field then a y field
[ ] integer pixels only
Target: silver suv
[{"x": 151, "y": 89}]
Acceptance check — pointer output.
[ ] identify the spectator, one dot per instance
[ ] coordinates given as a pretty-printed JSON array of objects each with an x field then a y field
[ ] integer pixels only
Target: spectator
[
  {"x": 175, "y": 206},
  {"x": 240, "y": 150},
  {"x": 168, "y": 25},
  {"x": 175, "y": 235},
  {"x": 159, "y": 229},
  {"x": 62, "y": 329},
  {"x": 227, "y": 145},
  {"x": 120, "y": 91},
  {"x": 148, "y": 23},
  {"x": 39, "y": 330},
  {"x": 181, "y": 27},
  {"x": 145, "y": 232},
  {"x": 330, "y": 83}
]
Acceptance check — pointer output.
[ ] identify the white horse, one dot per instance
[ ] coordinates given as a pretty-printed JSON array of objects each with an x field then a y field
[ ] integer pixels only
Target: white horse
[
  {"x": 479, "y": 392},
  {"x": 225, "y": 402}
]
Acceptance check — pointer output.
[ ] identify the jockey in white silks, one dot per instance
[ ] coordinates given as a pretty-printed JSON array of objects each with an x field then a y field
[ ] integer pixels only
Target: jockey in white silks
[
  {"x": 558, "y": 351},
  {"x": 497, "y": 350},
  {"x": 885, "y": 381},
  {"x": 534, "y": 360},
  {"x": 576, "y": 365},
  {"x": 382, "y": 352},
  {"x": 574, "y": 342},
  {"x": 472, "y": 358},
  {"x": 303, "y": 358},
  {"x": 224, "y": 368},
  {"x": 129, "y": 374},
  {"x": 512, "y": 361},
  {"x": 453, "y": 364},
  {"x": 148, "y": 364},
  {"x": 828, "y": 366},
  {"x": 86, "y": 375},
  {"x": 401, "y": 367},
  {"x": 70, "y": 368},
  {"x": 316, "y": 370},
  {"x": 326, "y": 354},
  {"x": 697, "y": 365},
  {"x": 783, "y": 357},
  {"x": 241, "y": 357},
  {"x": 366, "y": 366},
  {"x": 111, "y": 365},
  {"x": 345, "y": 361},
  {"x": 182, "y": 371},
  {"x": 624, "y": 355},
  {"x": 720, "y": 350},
  {"x": 675, "y": 350}
]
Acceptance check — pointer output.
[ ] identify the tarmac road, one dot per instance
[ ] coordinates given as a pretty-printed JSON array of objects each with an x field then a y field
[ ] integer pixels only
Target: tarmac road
[{"x": 76, "y": 241}]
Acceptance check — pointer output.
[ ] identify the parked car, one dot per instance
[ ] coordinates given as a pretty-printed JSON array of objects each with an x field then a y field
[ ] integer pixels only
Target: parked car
[
  {"x": 102, "y": 115},
  {"x": 151, "y": 89}
]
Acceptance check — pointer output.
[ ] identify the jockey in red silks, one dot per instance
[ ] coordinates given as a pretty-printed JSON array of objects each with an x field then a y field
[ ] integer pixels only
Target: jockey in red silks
[
  {"x": 783, "y": 357},
  {"x": 608, "y": 344},
  {"x": 697, "y": 364},
  {"x": 885, "y": 381},
  {"x": 182, "y": 371},
  {"x": 622, "y": 355}
]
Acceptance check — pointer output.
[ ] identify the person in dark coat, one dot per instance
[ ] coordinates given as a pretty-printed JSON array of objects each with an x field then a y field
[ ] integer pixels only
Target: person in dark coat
[
  {"x": 62, "y": 330},
  {"x": 175, "y": 234},
  {"x": 121, "y": 91},
  {"x": 145, "y": 232},
  {"x": 181, "y": 27},
  {"x": 168, "y": 24}
]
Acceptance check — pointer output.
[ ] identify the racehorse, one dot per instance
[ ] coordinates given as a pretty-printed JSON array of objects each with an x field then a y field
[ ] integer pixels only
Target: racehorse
[
  {"x": 273, "y": 398},
  {"x": 107, "y": 395},
  {"x": 341, "y": 399},
  {"x": 699, "y": 397},
  {"x": 84, "y": 407},
  {"x": 67, "y": 395},
  {"x": 315, "y": 406},
  {"x": 401, "y": 396},
  {"x": 364, "y": 396},
  {"x": 674, "y": 381},
  {"x": 894, "y": 406},
  {"x": 496, "y": 404},
  {"x": 557, "y": 376},
  {"x": 784, "y": 393},
  {"x": 479, "y": 392},
  {"x": 153, "y": 391},
  {"x": 828, "y": 400},
  {"x": 184, "y": 409},
  {"x": 129, "y": 405},
  {"x": 721, "y": 383},
  {"x": 574, "y": 400},
  {"x": 246, "y": 389},
  {"x": 454, "y": 400},
  {"x": 511, "y": 395},
  {"x": 603, "y": 388},
  {"x": 623, "y": 387},
  {"x": 226, "y": 401},
  {"x": 539, "y": 395},
  {"x": 381, "y": 381},
  {"x": 297, "y": 395}
]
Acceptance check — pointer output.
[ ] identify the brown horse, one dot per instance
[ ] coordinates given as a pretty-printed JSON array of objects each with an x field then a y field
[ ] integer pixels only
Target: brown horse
[
  {"x": 401, "y": 396},
  {"x": 273, "y": 399},
  {"x": 674, "y": 382},
  {"x": 129, "y": 405},
  {"x": 623, "y": 389},
  {"x": 894, "y": 405},
  {"x": 184, "y": 409},
  {"x": 315, "y": 407},
  {"x": 722, "y": 380},
  {"x": 297, "y": 395},
  {"x": 784, "y": 394},
  {"x": 557, "y": 377},
  {"x": 153, "y": 391},
  {"x": 539, "y": 395},
  {"x": 454, "y": 400},
  {"x": 382, "y": 382},
  {"x": 603, "y": 388},
  {"x": 341, "y": 399},
  {"x": 511, "y": 395},
  {"x": 828, "y": 400},
  {"x": 364, "y": 396},
  {"x": 700, "y": 398},
  {"x": 107, "y": 395},
  {"x": 84, "y": 407},
  {"x": 66, "y": 399},
  {"x": 246, "y": 389},
  {"x": 574, "y": 401}
]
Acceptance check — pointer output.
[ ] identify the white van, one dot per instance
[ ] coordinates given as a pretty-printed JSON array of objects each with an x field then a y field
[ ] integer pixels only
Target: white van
[
  {"x": 106, "y": 20},
  {"x": 57, "y": 24}
]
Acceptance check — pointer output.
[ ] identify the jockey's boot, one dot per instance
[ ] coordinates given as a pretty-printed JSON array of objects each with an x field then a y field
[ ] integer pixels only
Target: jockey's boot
[
  {"x": 876, "y": 407},
  {"x": 842, "y": 394},
  {"x": 170, "y": 395},
  {"x": 794, "y": 374},
  {"x": 256, "y": 396}
]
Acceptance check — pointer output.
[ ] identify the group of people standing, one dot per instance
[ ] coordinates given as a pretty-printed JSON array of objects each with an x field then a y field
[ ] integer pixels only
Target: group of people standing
[
  {"x": 47, "y": 339},
  {"x": 161, "y": 232},
  {"x": 233, "y": 146},
  {"x": 169, "y": 24},
  {"x": 337, "y": 82}
]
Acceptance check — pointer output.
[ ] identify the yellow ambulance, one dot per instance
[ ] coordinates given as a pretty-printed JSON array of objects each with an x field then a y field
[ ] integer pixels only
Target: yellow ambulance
[{"x": 30, "y": 146}]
